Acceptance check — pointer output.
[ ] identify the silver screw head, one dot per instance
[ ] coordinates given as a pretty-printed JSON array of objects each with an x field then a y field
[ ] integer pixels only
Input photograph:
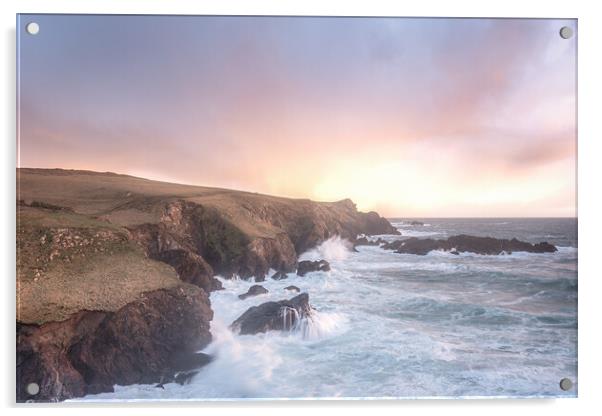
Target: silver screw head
[
  {"x": 32, "y": 28},
  {"x": 32, "y": 389},
  {"x": 566, "y": 32},
  {"x": 566, "y": 384}
]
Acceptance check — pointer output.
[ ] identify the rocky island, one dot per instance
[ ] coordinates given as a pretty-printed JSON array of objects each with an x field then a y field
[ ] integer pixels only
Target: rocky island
[
  {"x": 467, "y": 244},
  {"x": 114, "y": 271}
]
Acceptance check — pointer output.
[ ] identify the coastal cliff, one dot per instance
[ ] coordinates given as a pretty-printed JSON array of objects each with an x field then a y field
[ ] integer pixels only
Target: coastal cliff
[{"x": 113, "y": 271}]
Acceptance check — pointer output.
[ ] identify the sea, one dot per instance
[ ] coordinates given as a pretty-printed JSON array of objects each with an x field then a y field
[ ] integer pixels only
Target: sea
[{"x": 390, "y": 325}]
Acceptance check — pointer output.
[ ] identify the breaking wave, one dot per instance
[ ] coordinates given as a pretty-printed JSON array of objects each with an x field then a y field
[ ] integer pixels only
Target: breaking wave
[{"x": 335, "y": 248}]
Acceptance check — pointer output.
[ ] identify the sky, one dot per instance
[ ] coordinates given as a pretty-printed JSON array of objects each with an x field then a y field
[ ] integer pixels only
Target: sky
[{"x": 408, "y": 117}]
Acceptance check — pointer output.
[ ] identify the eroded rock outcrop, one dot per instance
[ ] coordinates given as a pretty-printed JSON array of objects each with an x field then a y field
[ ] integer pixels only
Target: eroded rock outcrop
[
  {"x": 254, "y": 290},
  {"x": 143, "y": 342},
  {"x": 273, "y": 316},
  {"x": 308, "y": 266},
  {"x": 363, "y": 241},
  {"x": 198, "y": 242},
  {"x": 279, "y": 275},
  {"x": 466, "y": 243}
]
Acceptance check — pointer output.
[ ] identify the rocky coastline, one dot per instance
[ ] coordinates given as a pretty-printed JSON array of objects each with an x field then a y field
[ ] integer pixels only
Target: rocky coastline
[{"x": 114, "y": 272}]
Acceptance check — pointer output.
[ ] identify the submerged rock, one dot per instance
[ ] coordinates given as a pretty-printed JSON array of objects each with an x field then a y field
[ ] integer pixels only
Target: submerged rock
[
  {"x": 187, "y": 366},
  {"x": 253, "y": 291},
  {"x": 467, "y": 243},
  {"x": 363, "y": 241},
  {"x": 184, "y": 368},
  {"x": 273, "y": 316},
  {"x": 293, "y": 288},
  {"x": 279, "y": 276},
  {"x": 308, "y": 266}
]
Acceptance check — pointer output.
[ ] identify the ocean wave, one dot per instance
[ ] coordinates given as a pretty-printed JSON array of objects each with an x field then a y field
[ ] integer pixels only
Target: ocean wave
[
  {"x": 415, "y": 233},
  {"x": 335, "y": 248},
  {"x": 445, "y": 267},
  {"x": 443, "y": 310},
  {"x": 567, "y": 249},
  {"x": 320, "y": 325},
  {"x": 406, "y": 224},
  {"x": 242, "y": 365}
]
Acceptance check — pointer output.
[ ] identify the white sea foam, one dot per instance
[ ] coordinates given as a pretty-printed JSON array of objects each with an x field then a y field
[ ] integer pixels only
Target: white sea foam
[
  {"x": 450, "y": 324},
  {"x": 416, "y": 233},
  {"x": 335, "y": 248},
  {"x": 320, "y": 325},
  {"x": 567, "y": 250},
  {"x": 509, "y": 256},
  {"x": 406, "y": 224}
]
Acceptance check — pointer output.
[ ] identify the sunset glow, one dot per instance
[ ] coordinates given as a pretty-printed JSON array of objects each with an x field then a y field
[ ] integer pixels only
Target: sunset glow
[{"x": 409, "y": 117}]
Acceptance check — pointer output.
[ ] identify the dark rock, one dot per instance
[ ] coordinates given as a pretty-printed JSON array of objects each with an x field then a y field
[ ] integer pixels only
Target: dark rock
[
  {"x": 99, "y": 388},
  {"x": 191, "y": 268},
  {"x": 363, "y": 241},
  {"x": 293, "y": 288},
  {"x": 466, "y": 243},
  {"x": 273, "y": 316},
  {"x": 392, "y": 245},
  {"x": 415, "y": 223},
  {"x": 174, "y": 248},
  {"x": 190, "y": 361},
  {"x": 253, "y": 291},
  {"x": 308, "y": 266},
  {"x": 92, "y": 351},
  {"x": 199, "y": 241},
  {"x": 187, "y": 366},
  {"x": 263, "y": 254},
  {"x": 374, "y": 224},
  {"x": 279, "y": 276},
  {"x": 185, "y": 377}
]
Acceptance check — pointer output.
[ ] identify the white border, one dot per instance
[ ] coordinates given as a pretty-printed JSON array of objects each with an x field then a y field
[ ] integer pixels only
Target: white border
[{"x": 590, "y": 207}]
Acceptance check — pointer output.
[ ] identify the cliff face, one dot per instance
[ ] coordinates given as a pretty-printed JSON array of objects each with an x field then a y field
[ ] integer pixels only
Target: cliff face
[
  {"x": 197, "y": 239},
  {"x": 113, "y": 271},
  {"x": 93, "y": 350},
  {"x": 201, "y": 231}
]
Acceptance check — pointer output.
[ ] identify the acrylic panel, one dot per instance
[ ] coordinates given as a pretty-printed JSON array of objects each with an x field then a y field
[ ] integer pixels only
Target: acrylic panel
[{"x": 268, "y": 207}]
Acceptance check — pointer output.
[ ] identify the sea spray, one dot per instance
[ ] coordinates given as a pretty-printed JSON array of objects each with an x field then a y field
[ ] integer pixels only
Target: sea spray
[
  {"x": 335, "y": 248},
  {"x": 242, "y": 365},
  {"x": 290, "y": 317},
  {"x": 320, "y": 325}
]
